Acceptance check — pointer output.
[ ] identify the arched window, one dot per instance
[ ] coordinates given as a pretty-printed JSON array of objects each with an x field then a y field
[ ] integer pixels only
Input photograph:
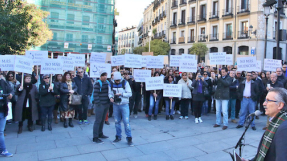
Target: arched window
[
  {"x": 243, "y": 50},
  {"x": 227, "y": 49},
  {"x": 172, "y": 52},
  {"x": 181, "y": 51},
  {"x": 213, "y": 50}
]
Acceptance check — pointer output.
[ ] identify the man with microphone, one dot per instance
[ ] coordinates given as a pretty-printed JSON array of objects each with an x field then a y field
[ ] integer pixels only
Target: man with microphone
[{"x": 247, "y": 94}]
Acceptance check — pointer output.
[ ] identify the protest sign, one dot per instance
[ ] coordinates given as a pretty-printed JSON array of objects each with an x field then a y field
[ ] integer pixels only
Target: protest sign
[
  {"x": 154, "y": 83},
  {"x": 98, "y": 68},
  {"x": 217, "y": 58},
  {"x": 23, "y": 64},
  {"x": 188, "y": 66},
  {"x": 165, "y": 59},
  {"x": 246, "y": 63},
  {"x": 188, "y": 56},
  {"x": 258, "y": 66},
  {"x": 7, "y": 62},
  {"x": 172, "y": 90},
  {"x": 174, "y": 60},
  {"x": 118, "y": 60},
  {"x": 147, "y": 53},
  {"x": 98, "y": 57},
  {"x": 144, "y": 61},
  {"x": 68, "y": 63},
  {"x": 272, "y": 64},
  {"x": 133, "y": 61},
  {"x": 140, "y": 75},
  {"x": 52, "y": 66},
  {"x": 79, "y": 59},
  {"x": 229, "y": 59},
  {"x": 155, "y": 62},
  {"x": 37, "y": 56}
]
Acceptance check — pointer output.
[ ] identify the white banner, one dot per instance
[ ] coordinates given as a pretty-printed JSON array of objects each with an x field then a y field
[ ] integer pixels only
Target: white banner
[
  {"x": 37, "y": 56},
  {"x": 155, "y": 62},
  {"x": 217, "y": 58},
  {"x": 175, "y": 60},
  {"x": 154, "y": 83},
  {"x": 118, "y": 60},
  {"x": 52, "y": 66},
  {"x": 68, "y": 63},
  {"x": 133, "y": 61},
  {"x": 272, "y": 64},
  {"x": 7, "y": 62},
  {"x": 172, "y": 90},
  {"x": 98, "y": 68},
  {"x": 79, "y": 59},
  {"x": 188, "y": 66},
  {"x": 98, "y": 57},
  {"x": 144, "y": 61},
  {"x": 246, "y": 63},
  {"x": 23, "y": 64},
  {"x": 258, "y": 66},
  {"x": 140, "y": 75},
  {"x": 229, "y": 59},
  {"x": 188, "y": 56}
]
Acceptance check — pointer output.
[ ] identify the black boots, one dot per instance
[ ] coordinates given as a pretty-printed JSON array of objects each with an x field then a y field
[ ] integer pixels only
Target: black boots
[
  {"x": 71, "y": 122},
  {"x": 130, "y": 143},
  {"x": 65, "y": 123},
  {"x": 43, "y": 125},
  {"x": 118, "y": 139},
  {"x": 20, "y": 129},
  {"x": 50, "y": 124}
]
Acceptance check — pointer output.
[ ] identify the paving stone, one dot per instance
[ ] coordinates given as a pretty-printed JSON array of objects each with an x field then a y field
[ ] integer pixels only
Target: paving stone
[
  {"x": 123, "y": 153},
  {"x": 214, "y": 156},
  {"x": 24, "y": 148},
  {"x": 214, "y": 146},
  {"x": 184, "y": 153},
  {"x": 154, "y": 147},
  {"x": 51, "y": 137},
  {"x": 86, "y": 157},
  {"x": 94, "y": 147},
  {"x": 20, "y": 140},
  {"x": 182, "y": 142},
  {"x": 159, "y": 156},
  {"x": 57, "y": 153},
  {"x": 157, "y": 137},
  {"x": 31, "y": 156},
  {"x": 73, "y": 141}
]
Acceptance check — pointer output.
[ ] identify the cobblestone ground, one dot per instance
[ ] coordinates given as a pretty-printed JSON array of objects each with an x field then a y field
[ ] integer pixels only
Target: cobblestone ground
[{"x": 154, "y": 140}]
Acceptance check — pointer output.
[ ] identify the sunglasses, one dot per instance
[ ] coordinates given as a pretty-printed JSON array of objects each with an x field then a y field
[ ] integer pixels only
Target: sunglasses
[
  {"x": 126, "y": 74},
  {"x": 47, "y": 78},
  {"x": 11, "y": 76},
  {"x": 204, "y": 74}
]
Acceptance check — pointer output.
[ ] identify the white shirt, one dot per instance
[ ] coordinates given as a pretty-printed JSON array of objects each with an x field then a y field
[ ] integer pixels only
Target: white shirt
[{"x": 247, "y": 89}]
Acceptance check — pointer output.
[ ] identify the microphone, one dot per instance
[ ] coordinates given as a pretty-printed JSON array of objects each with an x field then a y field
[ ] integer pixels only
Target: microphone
[{"x": 256, "y": 113}]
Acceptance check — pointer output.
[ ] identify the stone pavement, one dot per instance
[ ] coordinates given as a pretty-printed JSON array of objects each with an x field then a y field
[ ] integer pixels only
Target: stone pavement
[{"x": 159, "y": 140}]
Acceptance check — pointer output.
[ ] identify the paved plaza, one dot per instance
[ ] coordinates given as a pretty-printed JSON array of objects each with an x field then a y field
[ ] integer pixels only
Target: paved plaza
[{"x": 158, "y": 140}]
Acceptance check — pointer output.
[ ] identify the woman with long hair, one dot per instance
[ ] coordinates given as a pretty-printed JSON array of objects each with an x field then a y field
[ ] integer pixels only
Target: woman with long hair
[
  {"x": 57, "y": 83},
  {"x": 186, "y": 94},
  {"x": 154, "y": 103}
]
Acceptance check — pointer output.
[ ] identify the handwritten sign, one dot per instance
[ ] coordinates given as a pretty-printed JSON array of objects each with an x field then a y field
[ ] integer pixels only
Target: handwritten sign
[
  {"x": 68, "y": 63},
  {"x": 246, "y": 63},
  {"x": 133, "y": 61},
  {"x": 172, "y": 90},
  {"x": 98, "y": 68},
  {"x": 155, "y": 62},
  {"x": 79, "y": 59},
  {"x": 174, "y": 60},
  {"x": 154, "y": 83},
  {"x": 98, "y": 57},
  {"x": 188, "y": 66},
  {"x": 258, "y": 66},
  {"x": 52, "y": 66},
  {"x": 118, "y": 60},
  {"x": 188, "y": 56},
  {"x": 23, "y": 64},
  {"x": 7, "y": 62},
  {"x": 272, "y": 64},
  {"x": 229, "y": 59},
  {"x": 217, "y": 58},
  {"x": 37, "y": 56},
  {"x": 140, "y": 75}
]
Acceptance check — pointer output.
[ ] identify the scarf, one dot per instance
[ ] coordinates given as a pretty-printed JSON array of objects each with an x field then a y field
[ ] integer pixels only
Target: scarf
[
  {"x": 69, "y": 83},
  {"x": 269, "y": 134},
  {"x": 199, "y": 88}
]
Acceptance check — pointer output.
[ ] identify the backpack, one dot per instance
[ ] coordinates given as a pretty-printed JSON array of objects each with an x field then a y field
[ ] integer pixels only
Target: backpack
[
  {"x": 101, "y": 84},
  {"x": 123, "y": 85}
]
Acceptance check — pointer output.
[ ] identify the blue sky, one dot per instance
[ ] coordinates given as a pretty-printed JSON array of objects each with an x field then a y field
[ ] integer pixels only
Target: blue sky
[{"x": 131, "y": 12}]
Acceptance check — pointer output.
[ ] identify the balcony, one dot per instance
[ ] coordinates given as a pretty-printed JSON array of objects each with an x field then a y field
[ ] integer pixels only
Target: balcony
[
  {"x": 164, "y": 14},
  {"x": 191, "y": 39},
  {"x": 183, "y": 2},
  {"x": 181, "y": 22},
  {"x": 154, "y": 23},
  {"x": 227, "y": 36},
  {"x": 174, "y": 5},
  {"x": 161, "y": 16},
  {"x": 181, "y": 40},
  {"x": 191, "y": 1},
  {"x": 227, "y": 13},
  {"x": 201, "y": 18},
  {"x": 133, "y": 45},
  {"x": 202, "y": 38},
  {"x": 163, "y": 34},
  {"x": 243, "y": 35},
  {"x": 173, "y": 41},
  {"x": 213, "y": 37},
  {"x": 158, "y": 36},
  {"x": 243, "y": 10},
  {"x": 191, "y": 20},
  {"x": 140, "y": 42},
  {"x": 213, "y": 16},
  {"x": 173, "y": 24}
]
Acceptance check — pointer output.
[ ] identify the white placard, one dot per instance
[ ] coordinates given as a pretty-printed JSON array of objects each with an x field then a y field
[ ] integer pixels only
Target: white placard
[
  {"x": 37, "y": 56},
  {"x": 79, "y": 59},
  {"x": 229, "y": 59},
  {"x": 258, "y": 66},
  {"x": 140, "y": 75},
  {"x": 246, "y": 63},
  {"x": 90, "y": 46},
  {"x": 98, "y": 57},
  {"x": 68, "y": 63},
  {"x": 133, "y": 61},
  {"x": 217, "y": 58},
  {"x": 272, "y": 64},
  {"x": 144, "y": 61},
  {"x": 188, "y": 56},
  {"x": 118, "y": 60},
  {"x": 98, "y": 68},
  {"x": 23, "y": 64},
  {"x": 52, "y": 66},
  {"x": 154, "y": 83},
  {"x": 155, "y": 62},
  {"x": 172, "y": 90},
  {"x": 7, "y": 62},
  {"x": 174, "y": 60},
  {"x": 188, "y": 66},
  {"x": 66, "y": 45}
]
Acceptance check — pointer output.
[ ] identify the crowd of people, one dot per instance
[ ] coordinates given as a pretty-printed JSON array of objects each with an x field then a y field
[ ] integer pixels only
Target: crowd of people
[{"x": 74, "y": 96}]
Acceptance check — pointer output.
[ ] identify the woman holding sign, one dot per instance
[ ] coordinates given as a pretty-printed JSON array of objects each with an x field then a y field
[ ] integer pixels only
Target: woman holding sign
[
  {"x": 169, "y": 110},
  {"x": 155, "y": 98},
  {"x": 186, "y": 94}
]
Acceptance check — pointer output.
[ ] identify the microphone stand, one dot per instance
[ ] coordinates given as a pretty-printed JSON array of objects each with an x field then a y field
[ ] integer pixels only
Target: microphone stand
[{"x": 239, "y": 143}]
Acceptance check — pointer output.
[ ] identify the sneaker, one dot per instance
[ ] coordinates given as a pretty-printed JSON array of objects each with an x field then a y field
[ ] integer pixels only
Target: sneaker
[
  {"x": 199, "y": 119},
  {"x": 98, "y": 141},
  {"x": 178, "y": 112},
  {"x": 186, "y": 117},
  {"x": 130, "y": 142},
  {"x": 118, "y": 139},
  {"x": 196, "y": 120},
  {"x": 6, "y": 154},
  {"x": 80, "y": 122},
  {"x": 149, "y": 117},
  {"x": 107, "y": 122},
  {"x": 171, "y": 117},
  {"x": 86, "y": 122},
  {"x": 135, "y": 116},
  {"x": 167, "y": 117},
  {"x": 181, "y": 117},
  {"x": 103, "y": 136}
]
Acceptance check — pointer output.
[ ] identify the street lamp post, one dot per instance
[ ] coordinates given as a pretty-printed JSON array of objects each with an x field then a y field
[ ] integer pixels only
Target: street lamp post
[
  {"x": 279, "y": 7},
  {"x": 149, "y": 37},
  {"x": 266, "y": 13}
]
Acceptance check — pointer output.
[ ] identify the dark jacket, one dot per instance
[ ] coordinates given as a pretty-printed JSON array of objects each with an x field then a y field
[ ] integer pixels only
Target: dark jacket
[
  {"x": 85, "y": 86},
  {"x": 254, "y": 90},
  {"x": 209, "y": 86},
  {"x": 260, "y": 85},
  {"x": 176, "y": 79},
  {"x": 137, "y": 87},
  {"x": 47, "y": 98},
  {"x": 6, "y": 90},
  {"x": 198, "y": 96},
  {"x": 33, "y": 79},
  {"x": 222, "y": 90},
  {"x": 64, "y": 96},
  {"x": 232, "y": 89},
  {"x": 281, "y": 79},
  {"x": 277, "y": 84},
  {"x": 101, "y": 94}
]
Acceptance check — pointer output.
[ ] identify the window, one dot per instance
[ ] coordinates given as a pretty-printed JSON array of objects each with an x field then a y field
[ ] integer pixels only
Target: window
[
  {"x": 174, "y": 37},
  {"x": 182, "y": 34},
  {"x": 69, "y": 37},
  {"x": 181, "y": 51},
  {"x": 84, "y": 38},
  {"x": 54, "y": 15},
  {"x": 215, "y": 5},
  {"x": 228, "y": 6},
  {"x": 203, "y": 12},
  {"x": 214, "y": 32},
  {"x": 70, "y": 17},
  {"x": 192, "y": 35},
  {"x": 244, "y": 26},
  {"x": 99, "y": 40},
  {"x": 183, "y": 16},
  {"x": 213, "y": 50},
  {"x": 228, "y": 31},
  {"x": 192, "y": 14},
  {"x": 174, "y": 18},
  {"x": 244, "y": 4},
  {"x": 55, "y": 35},
  {"x": 172, "y": 52},
  {"x": 202, "y": 31},
  {"x": 227, "y": 49},
  {"x": 243, "y": 50},
  {"x": 86, "y": 19}
]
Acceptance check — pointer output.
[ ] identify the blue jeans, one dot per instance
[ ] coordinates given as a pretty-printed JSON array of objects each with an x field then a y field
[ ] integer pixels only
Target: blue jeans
[
  {"x": 222, "y": 105},
  {"x": 154, "y": 104},
  {"x": 247, "y": 107},
  {"x": 2, "y": 127},
  {"x": 231, "y": 105},
  {"x": 122, "y": 112},
  {"x": 169, "y": 111},
  {"x": 204, "y": 108}
]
